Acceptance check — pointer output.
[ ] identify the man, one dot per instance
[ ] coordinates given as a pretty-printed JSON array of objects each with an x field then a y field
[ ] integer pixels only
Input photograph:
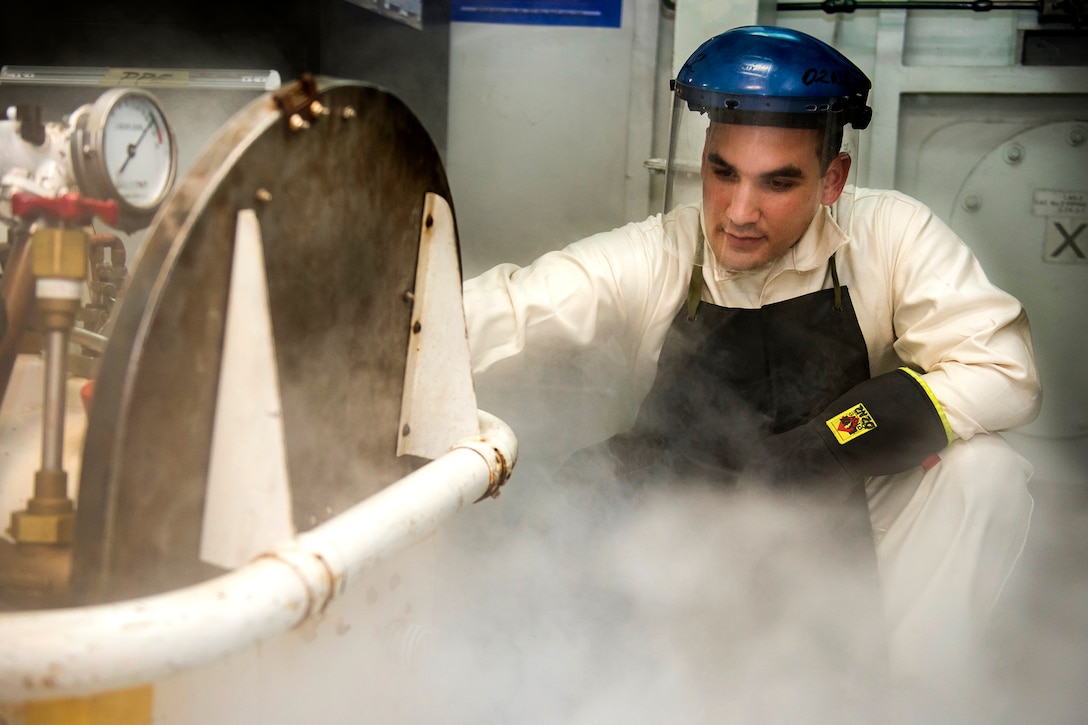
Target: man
[{"x": 789, "y": 330}]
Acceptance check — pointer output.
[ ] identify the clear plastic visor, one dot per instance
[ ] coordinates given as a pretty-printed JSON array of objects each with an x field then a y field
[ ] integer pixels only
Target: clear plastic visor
[{"x": 759, "y": 177}]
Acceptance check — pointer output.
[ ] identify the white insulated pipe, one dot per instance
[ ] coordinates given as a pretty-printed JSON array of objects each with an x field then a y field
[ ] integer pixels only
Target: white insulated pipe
[{"x": 93, "y": 649}]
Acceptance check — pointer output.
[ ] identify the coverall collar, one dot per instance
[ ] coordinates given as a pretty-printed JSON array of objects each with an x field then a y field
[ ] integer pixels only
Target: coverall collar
[{"x": 821, "y": 239}]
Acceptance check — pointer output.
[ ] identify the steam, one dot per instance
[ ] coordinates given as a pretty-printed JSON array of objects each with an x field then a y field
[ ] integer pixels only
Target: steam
[
  {"x": 1037, "y": 649},
  {"x": 599, "y": 602},
  {"x": 670, "y": 604},
  {"x": 681, "y": 603}
]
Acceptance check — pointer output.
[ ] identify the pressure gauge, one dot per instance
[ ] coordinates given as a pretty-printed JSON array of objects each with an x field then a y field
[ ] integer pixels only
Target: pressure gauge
[{"x": 124, "y": 149}]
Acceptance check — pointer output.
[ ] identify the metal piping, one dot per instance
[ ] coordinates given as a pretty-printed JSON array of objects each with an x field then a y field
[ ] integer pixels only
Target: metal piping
[
  {"x": 54, "y": 399},
  {"x": 17, "y": 291},
  {"x": 90, "y": 340},
  {"x": 848, "y": 6},
  {"x": 86, "y": 650}
]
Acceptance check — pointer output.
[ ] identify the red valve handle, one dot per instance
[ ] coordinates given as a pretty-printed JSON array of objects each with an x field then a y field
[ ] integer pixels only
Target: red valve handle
[{"x": 67, "y": 207}]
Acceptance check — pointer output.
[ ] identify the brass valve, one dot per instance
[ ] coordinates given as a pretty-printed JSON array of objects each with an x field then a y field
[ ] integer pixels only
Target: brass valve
[
  {"x": 58, "y": 256},
  {"x": 49, "y": 517},
  {"x": 59, "y": 252}
]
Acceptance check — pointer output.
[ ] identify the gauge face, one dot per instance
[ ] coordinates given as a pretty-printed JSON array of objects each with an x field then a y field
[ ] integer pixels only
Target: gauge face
[
  {"x": 123, "y": 149},
  {"x": 137, "y": 151}
]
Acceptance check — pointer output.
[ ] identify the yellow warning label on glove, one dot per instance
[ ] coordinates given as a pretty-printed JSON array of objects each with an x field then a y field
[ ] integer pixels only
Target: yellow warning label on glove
[{"x": 851, "y": 423}]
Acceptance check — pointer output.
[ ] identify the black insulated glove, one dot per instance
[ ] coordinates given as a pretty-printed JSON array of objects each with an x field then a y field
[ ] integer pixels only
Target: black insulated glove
[{"x": 886, "y": 424}]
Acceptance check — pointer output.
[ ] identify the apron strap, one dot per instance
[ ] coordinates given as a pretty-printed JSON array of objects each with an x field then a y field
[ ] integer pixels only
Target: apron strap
[
  {"x": 835, "y": 282},
  {"x": 695, "y": 284}
]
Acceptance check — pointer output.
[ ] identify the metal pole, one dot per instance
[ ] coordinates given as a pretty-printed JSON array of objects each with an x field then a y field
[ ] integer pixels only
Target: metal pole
[
  {"x": 54, "y": 401},
  {"x": 848, "y": 6}
]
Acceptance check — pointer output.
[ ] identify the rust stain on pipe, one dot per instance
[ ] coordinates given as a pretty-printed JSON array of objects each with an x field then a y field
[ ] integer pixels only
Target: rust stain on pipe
[{"x": 316, "y": 603}]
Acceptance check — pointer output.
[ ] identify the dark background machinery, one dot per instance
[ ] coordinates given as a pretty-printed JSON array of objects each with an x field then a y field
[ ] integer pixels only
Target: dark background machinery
[{"x": 328, "y": 37}]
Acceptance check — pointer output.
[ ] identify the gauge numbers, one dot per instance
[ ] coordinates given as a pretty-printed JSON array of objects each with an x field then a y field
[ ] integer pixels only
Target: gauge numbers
[
  {"x": 137, "y": 151},
  {"x": 124, "y": 149}
]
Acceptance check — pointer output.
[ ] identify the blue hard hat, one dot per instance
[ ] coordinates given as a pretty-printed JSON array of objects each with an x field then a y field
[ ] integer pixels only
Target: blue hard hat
[{"x": 774, "y": 76}]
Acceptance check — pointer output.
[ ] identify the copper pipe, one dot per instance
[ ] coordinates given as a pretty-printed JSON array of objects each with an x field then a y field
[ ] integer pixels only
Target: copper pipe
[{"x": 17, "y": 291}]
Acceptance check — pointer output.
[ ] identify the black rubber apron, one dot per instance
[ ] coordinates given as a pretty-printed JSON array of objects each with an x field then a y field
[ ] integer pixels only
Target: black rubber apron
[
  {"x": 725, "y": 381},
  {"x": 731, "y": 377}
]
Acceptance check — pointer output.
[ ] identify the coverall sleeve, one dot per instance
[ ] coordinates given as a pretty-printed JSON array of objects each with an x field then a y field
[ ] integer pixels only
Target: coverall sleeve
[
  {"x": 970, "y": 339},
  {"x": 597, "y": 288}
]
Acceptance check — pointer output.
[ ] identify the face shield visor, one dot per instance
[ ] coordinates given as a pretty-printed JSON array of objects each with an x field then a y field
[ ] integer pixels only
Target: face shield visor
[
  {"x": 761, "y": 140},
  {"x": 732, "y": 172}
]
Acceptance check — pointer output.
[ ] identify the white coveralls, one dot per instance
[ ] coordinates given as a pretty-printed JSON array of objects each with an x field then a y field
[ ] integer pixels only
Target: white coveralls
[{"x": 947, "y": 539}]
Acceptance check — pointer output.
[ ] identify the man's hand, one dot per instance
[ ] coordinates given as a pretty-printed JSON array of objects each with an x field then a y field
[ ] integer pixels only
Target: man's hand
[{"x": 887, "y": 424}]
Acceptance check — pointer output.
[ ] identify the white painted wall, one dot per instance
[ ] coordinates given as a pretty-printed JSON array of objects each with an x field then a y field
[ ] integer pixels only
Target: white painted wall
[{"x": 548, "y": 129}]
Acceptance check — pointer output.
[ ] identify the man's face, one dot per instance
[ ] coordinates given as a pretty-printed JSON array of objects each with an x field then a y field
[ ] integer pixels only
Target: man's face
[{"x": 762, "y": 185}]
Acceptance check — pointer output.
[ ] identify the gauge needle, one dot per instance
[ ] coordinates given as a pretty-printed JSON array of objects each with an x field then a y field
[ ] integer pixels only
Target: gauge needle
[{"x": 132, "y": 146}]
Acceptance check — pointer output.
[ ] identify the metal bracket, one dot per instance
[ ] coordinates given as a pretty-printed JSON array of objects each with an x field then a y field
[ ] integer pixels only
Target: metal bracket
[{"x": 298, "y": 103}]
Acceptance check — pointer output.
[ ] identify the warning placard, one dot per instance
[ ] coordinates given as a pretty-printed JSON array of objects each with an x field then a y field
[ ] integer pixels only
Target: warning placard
[{"x": 1045, "y": 202}]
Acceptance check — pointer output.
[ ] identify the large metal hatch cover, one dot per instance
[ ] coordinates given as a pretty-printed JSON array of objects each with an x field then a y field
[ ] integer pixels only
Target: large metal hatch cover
[{"x": 339, "y": 198}]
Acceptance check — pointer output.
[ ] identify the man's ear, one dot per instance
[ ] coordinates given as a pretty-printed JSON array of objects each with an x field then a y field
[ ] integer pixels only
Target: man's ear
[{"x": 835, "y": 178}]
